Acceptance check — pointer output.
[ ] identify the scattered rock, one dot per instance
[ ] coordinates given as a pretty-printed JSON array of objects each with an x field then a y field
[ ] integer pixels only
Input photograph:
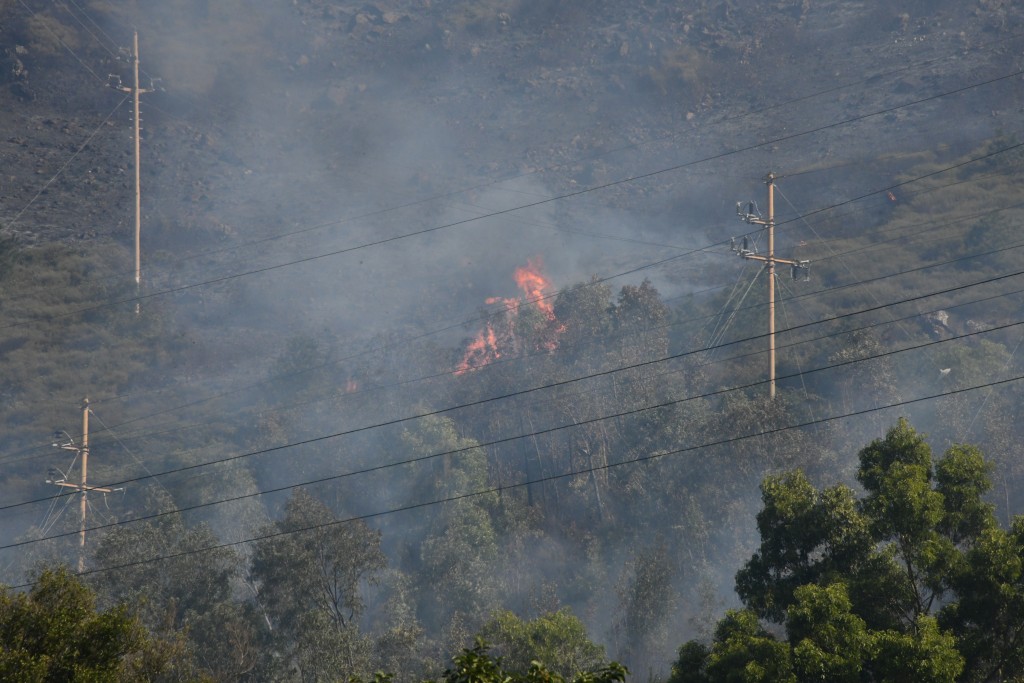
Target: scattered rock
[{"x": 12, "y": 69}]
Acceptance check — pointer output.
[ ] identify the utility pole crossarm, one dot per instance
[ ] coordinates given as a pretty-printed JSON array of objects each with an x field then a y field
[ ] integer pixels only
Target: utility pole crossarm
[
  {"x": 788, "y": 262},
  {"x": 79, "y": 487},
  {"x": 82, "y": 486}
]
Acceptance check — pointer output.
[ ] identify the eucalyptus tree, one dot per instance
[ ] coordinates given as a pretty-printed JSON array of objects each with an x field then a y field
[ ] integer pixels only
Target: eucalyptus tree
[
  {"x": 913, "y": 580},
  {"x": 310, "y": 570}
]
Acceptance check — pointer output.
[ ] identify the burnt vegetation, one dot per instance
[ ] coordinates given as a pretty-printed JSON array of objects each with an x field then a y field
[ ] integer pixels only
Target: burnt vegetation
[{"x": 356, "y": 423}]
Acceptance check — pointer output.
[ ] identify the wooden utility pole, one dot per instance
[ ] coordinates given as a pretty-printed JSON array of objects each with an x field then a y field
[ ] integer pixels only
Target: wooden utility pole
[
  {"x": 83, "y": 486},
  {"x": 136, "y": 91},
  {"x": 83, "y": 507},
  {"x": 753, "y": 216}
]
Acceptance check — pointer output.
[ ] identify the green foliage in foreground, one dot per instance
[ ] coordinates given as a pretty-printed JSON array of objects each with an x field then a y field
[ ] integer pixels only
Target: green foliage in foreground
[
  {"x": 913, "y": 581},
  {"x": 54, "y": 633},
  {"x": 558, "y": 639},
  {"x": 476, "y": 665}
]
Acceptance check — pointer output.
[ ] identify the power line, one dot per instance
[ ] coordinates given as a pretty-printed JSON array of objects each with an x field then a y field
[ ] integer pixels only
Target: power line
[
  {"x": 76, "y": 55},
  {"x": 803, "y": 217},
  {"x": 811, "y": 213},
  {"x": 448, "y": 372},
  {"x": 875, "y": 77},
  {"x": 63, "y": 44},
  {"x": 841, "y": 261},
  {"x": 1016, "y": 245},
  {"x": 66, "y": 164},
  {"x": 126, "y": 450},
  {"x": 984, "y": 402},
  {"x": 712, "y": 346},
  {"x": 673, "y": 137},
  {"x": 649, "y": 265},
  {"x": 579, "y": 423},
  {"x": 414, "y": 338},
  {"x": 542, "y": 202},
  {"x": 716, "y": 361},
  {"x": 932, "y": 226},
  {"x": 89, "y": 31},
  {"x": 521, "y": 392},
  {"x": 600, "y": 280},
  {"x": 507, "y": 487}
]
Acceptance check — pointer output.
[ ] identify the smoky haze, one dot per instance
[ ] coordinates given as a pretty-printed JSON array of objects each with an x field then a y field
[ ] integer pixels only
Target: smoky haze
[{"x": 287, "y": 132}]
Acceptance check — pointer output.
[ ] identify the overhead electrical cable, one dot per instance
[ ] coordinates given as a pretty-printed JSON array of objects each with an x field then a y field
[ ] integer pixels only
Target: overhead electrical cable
[
  {"x": 67, "y": 163},
  {"x": 494, "y": 442},
  {"x": 90, "y": 31},
  {"x": 984, "y": 402},
  {"x": 127, "y": 450},
  {"x": 574, "y": 473},
  {"x": 993, "y": 153},
  {"x": 810, "y": 294},
  {"x": 561, "y": 197},
  {"x": 83, "y": 65},
  {"x": 888, "y": 230},
  {"x": 519, "y": 392},
  {"x": 842, "y": 262},
  {"x": 803, "y": 217},
  {"x": 53, "y": 33},
  {"x": 56, "y": 518},
  {"x": 874, "y": 77},
  {"x": 837, "y": 288},
  {"x": 789, "y": 324},
  {"x": 719, "y": 318},
  {"x": 673, "y": 137},
  {"x": 831, "y": 290},
  {"x": 931, "y": 226},
  {"x": 719, "y": 360},
  {"x": 799, "y": 296},
  {"x": 555, "y": 228},
  {"x": 642, "y": 267},
  {"x": 719, "y": 333}
]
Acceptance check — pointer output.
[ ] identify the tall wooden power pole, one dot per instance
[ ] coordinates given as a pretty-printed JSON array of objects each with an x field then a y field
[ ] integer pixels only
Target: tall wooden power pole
[
  {"x": 753, "y": 216},
  {"x": 82, "y": 486},
  {"x": 136, "y": 91}
]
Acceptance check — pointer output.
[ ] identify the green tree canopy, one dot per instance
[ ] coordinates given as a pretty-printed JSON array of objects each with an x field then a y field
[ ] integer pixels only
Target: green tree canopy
[
  {"x": 914, "y": 580},
  {"x": 477, "y": 665},
  {"x": 309, "y": 570},
  {"x": 54, "y": 633},
  {"x": 557, "y": 639}
]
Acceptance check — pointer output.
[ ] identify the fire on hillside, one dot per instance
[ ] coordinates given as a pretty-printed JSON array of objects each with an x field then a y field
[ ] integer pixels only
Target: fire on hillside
[{"x": 504, "y": 335}]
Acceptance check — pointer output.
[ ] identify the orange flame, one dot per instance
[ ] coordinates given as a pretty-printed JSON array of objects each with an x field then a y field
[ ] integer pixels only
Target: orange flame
[
  {"x": 480, "y": 352},
  {"x": 533, "y": 285},
  {"x": 491, "y": 343},
  {"x": 510, "y": 304}
]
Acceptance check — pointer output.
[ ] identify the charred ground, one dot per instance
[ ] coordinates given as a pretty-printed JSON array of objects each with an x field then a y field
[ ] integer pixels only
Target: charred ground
[{"x": 308, "y": 113}]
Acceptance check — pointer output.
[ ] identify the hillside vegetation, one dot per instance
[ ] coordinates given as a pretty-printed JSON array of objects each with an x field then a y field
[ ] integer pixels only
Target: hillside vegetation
[{"x": 440, "y": 336}]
